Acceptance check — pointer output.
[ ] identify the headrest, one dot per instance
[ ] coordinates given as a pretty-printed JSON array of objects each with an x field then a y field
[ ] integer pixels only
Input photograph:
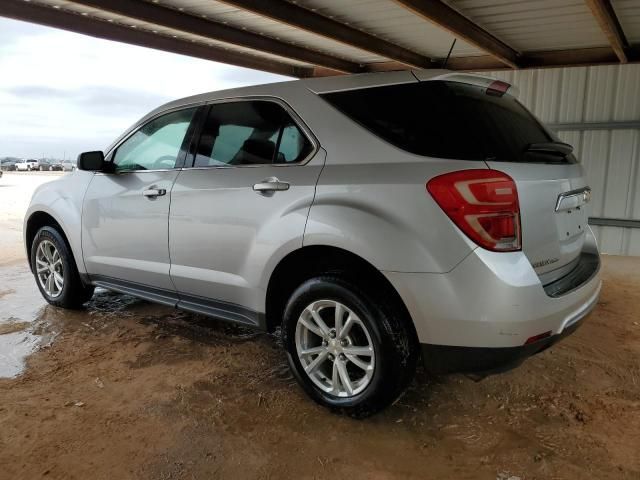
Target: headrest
[{"x": 255, "y": 151}]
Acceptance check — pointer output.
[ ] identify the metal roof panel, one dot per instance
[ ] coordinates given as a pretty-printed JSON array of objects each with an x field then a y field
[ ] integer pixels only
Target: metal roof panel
[
  {"x": 628, "y": 12},
  {"x": 394, "y": 23},
  {"x": 536, "y": 25}
]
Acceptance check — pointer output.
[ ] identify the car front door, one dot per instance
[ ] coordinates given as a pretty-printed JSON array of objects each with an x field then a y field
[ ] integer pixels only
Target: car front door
[
  {"x": 125, "y": 213},
  {"x": 241, "y": 206}
]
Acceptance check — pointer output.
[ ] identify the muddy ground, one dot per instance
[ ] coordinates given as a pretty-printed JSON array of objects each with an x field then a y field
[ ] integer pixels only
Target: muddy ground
[{"x": 127, "y": 389}]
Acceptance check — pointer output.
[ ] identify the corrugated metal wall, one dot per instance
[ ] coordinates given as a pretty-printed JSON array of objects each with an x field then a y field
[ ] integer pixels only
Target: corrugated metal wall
[{"x": 611, "y": 156}]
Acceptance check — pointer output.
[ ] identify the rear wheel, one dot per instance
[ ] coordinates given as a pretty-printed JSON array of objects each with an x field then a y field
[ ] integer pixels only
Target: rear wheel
[
  {"x": 55, "y": 271},
  {"x": 349, "y": 350}
]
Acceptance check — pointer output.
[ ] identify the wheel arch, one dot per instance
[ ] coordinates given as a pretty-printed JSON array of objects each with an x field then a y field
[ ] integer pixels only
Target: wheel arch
[
  {"x": 309, "y": 261},
  {"x": 36, "y": 221}
]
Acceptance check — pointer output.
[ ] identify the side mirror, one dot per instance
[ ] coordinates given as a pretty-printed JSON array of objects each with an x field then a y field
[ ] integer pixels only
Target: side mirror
[{"x": 91, "y": 161}]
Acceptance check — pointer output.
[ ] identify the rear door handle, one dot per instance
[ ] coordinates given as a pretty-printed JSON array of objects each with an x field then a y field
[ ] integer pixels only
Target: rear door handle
[
  {"x": 154, "y": 192},
  {"x": 270, "y": 185}
]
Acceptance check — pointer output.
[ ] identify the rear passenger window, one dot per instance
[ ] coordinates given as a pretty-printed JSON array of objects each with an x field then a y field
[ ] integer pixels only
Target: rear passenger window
[
  {"x": 228, "y": 142},
  {"x": 250, "y": 133}
]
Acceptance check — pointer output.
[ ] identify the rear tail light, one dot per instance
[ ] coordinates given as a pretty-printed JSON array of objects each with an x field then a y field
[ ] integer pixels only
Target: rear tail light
[{"x": 483, "y": 204}]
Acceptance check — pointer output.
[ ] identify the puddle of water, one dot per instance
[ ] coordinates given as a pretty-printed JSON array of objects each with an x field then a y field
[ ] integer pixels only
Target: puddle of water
[
  {"x": 21, "y": 305},
  {"x": 12, "y": 327},
  {"x": 14, "y": 349},
  {"x": 27, "y": 322}
]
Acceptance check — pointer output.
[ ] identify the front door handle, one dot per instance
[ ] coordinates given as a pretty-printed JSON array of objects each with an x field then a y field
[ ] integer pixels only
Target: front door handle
[
  {"x": 154, "y": 192},
  {"x": 270, "y": 185}
]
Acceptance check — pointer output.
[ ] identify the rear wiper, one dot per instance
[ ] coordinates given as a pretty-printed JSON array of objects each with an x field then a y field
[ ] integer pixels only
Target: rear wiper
[{"x": 554, "y": 148}]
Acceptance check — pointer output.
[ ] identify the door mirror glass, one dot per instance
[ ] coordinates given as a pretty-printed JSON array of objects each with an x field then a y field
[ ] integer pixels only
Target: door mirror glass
[{"x": 91, "y": 161}]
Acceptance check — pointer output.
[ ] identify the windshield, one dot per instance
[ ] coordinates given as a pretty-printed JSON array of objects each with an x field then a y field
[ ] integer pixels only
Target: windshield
[{"x": 449, "y": 120}]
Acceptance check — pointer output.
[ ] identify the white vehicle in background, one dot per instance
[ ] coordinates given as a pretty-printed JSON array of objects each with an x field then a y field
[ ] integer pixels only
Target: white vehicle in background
[
  {"x": 27, "y": 165},
  {"x": 68, "y": 166},
  {"x": 22, "y": 165}
]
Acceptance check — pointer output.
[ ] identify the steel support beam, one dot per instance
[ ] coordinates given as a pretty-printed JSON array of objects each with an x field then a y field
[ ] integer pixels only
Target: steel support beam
[
  {"x": 614, "y": 222},
  {"x": 460, "y": 26},
  {"x": 546, "y": 59},
  {"x": 590, "y": 126},
  {"x": 608, "y": 21},
  {"x": 299, "y": 17},
  {"x": 175, "y": 20},
  {"x": 30, "y": 12},
  {"x": 286, "y": 12}
]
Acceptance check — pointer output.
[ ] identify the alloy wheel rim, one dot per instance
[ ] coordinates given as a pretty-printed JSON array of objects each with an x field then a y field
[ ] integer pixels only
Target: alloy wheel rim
[
  {"x": 49, "y": 269},
  {"x": 335, "y": 348}
]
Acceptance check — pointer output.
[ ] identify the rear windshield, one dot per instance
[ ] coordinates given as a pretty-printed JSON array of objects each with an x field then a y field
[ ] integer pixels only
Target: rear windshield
[{"x": 448, "y": 120}]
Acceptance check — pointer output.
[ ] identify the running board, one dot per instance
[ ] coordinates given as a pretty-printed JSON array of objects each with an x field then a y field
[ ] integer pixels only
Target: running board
[{"x": 217, "y": 309}]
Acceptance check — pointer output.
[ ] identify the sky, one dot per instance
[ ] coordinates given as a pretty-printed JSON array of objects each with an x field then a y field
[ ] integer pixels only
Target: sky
[{"x": 63, "y": 93}]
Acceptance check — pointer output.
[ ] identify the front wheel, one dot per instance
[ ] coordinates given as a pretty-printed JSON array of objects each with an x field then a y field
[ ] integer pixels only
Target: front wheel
[
  {"x": 55, "y": 271},
  {"x": 350, "y": 350}
]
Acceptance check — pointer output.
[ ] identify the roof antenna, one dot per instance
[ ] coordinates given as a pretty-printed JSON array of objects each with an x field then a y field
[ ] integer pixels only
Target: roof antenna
[{"x": 449, "y": 54}]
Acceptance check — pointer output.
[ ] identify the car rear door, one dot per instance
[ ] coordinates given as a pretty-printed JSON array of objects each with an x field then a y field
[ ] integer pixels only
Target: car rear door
[
  {"x": 241, "y": 207},
  {"x": 125, "y": 213}
]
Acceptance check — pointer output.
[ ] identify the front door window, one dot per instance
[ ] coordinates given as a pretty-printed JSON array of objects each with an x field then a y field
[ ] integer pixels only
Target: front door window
[{"x": 157, "y": 145}]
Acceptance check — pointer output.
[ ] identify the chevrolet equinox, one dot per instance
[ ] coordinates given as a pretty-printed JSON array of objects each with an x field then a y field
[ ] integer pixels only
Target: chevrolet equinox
[{"x": 375, "y": 219}]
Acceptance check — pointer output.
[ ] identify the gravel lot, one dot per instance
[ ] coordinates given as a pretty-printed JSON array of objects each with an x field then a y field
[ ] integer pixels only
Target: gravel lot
[{"x": 127, "y": 389}]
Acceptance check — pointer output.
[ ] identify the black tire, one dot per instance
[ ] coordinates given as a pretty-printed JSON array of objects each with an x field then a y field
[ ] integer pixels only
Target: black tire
[
  {"x": 74, "y": 293},
  {"x": 395, "y": 346}
]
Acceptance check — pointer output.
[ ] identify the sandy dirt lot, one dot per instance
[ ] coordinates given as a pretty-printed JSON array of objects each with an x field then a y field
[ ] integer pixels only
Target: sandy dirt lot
[{"x": 126, "y": 389}]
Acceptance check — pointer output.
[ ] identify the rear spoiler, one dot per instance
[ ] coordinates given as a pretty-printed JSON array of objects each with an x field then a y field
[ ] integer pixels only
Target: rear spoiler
[
  {"x": 340, "y": 83},
  {"x": 500, "y": 87}
]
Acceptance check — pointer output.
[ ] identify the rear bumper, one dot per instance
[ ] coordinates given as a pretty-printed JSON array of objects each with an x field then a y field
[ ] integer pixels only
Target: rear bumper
[
  {"x": 494, "y": 300},
  {"x": 485, "y": 361}
]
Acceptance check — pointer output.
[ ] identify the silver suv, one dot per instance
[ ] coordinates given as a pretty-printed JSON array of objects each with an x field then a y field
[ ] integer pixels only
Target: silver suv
[{"x": 374, "y": 218}]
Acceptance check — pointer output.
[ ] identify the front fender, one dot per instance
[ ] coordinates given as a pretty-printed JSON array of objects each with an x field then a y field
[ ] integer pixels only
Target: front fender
[{"x": 62, "y": 200}]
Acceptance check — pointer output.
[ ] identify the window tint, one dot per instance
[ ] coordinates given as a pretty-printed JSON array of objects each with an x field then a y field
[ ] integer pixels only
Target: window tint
[
  {"x": 250, "y": 133},
  {"x": 294, "y": 145},
  {"x": 445, "y": 120},
  {"x": 156, "y": 145},
  {"x": 230, "y": 140}
]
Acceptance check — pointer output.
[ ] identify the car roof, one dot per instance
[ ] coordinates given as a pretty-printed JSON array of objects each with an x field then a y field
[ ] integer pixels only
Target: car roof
[
  {"x": 317, "y": 85},
  {"x": 328, "y": 84}
]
